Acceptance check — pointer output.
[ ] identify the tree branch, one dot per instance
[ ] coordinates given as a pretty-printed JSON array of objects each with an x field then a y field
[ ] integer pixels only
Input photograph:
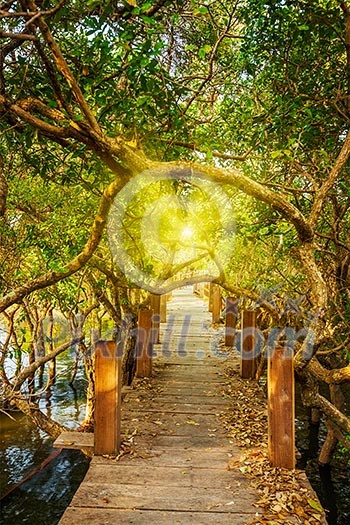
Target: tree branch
[
  {"x": 30, "y": 369},
  {"x": 75, "y": 264},
  {"x": 249, "y": 186},
  {"x": 217, "y": 154},
  {"x": 334, "y": 376},
  {"x": 64, "y": 69},
  {"x": 17, "y": 36},
  {"x": 330, "y": 181}
]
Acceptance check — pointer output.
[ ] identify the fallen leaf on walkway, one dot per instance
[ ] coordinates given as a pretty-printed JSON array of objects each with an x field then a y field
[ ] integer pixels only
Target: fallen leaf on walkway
[
  {"x": 283, "y": 496},
  {"x": 315, "y": 505}
]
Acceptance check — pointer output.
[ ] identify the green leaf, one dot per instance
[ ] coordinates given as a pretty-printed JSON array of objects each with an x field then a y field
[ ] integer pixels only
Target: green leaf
[
  {"x": 204, "y": 50},
  {"x": 141, "y": 101},
  {"x": 315, "y": 505},
  {"x": 148, "y": 20},
  {"x": 200, "y": 10},
  {"x": 276, "y": 153}
]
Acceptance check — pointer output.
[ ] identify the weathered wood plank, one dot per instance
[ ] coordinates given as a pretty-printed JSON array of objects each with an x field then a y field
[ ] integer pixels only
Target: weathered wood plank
[
  {"x": 177, "y": 458},
  {"x": 107, "y": 495},
  {"x": 169, "y": 423},
  {"x": 97, "y": 516},
  {"x": 75, "y": 440},
  {"x": 182, "y": 399},
  {"x": 123, "y": 473}
]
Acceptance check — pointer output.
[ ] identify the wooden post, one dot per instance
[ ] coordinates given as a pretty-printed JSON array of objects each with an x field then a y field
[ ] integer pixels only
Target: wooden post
[
  {"x": 155, "y": 306},
  {"x": 248, "y": 344},
  {"x": 281, "y": 410},
  {"x": 108, "y": 383},
  {"x": 216, "y": 304},
  {"x": 144, "y": 344},
  {"x": 211, "y": 291},
  {"x": 163, "y": 302},
  {"x": 230, "y": 320},
  {"x": 169, "y": 296}
]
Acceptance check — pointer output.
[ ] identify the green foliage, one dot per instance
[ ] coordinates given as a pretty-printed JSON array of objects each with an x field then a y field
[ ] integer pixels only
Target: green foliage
[{"x": 264, "y": 77}]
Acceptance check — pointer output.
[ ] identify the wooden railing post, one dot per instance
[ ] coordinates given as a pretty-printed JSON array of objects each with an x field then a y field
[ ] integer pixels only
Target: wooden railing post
[
  {"x": 281, "y": 410},
  {"x": 144, "y": 344},
  {"x": 163, "y": 303},
  {"x": 231, "y": 310},
  {"x": 248, "y": 344},
  {"x": 155, "y": 306},
  {"x": 108, "y": 382},
  {"x": 216, "y": 304},
  {"x": 211, "y": 293}
]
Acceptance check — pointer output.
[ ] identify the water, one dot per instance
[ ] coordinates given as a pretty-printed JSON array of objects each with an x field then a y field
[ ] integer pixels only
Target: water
[
  {"x": 330, "y": 482},
  {"x": 44, "y": 497}
]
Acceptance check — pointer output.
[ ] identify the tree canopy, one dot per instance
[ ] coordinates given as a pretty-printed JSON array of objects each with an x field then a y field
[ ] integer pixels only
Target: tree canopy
[{"x": 254, "y": 95}]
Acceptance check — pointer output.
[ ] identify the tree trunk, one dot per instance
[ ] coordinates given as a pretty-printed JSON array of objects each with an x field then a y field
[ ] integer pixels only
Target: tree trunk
[
  {"x": 331, "y": 440},
  {"x": 42, "y": 421},
  {"x": 89, "y": 363},
  {"x": 127, "y": 337},
  {"x": 52, "y": 363}
]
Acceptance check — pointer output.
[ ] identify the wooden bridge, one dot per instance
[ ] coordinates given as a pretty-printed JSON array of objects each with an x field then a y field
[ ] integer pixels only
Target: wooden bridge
[{"x": 174, "y": 465}]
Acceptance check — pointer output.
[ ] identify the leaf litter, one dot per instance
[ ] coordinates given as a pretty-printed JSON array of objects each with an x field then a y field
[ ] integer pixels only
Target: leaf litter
[{"x": 284, "y": 495}]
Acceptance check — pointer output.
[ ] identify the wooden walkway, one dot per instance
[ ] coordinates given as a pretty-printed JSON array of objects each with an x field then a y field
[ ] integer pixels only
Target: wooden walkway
[{"x": 177, "y": 470}]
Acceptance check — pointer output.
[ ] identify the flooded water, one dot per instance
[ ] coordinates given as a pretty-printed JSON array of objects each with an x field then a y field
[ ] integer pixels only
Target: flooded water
[
  {"x": 43, "y": 498},
  {"x": 331, "y": 483}
]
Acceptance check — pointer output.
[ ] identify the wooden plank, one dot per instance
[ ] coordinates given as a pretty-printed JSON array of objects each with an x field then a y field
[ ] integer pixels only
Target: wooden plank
[
  {"x": 108, "y": 383},
  {"x": 98, "y": 516},
  {"x": 183, "y": 399},
  {"x": 143, "y": 475},
  {"x": 194, "y": 359},
  {"x": 107, "y": 495},
  {"x": 231, "y": 309},
  {"x": 173, "y": 409},
  {"x": 75, "y": 440},
  {"x": 203, "y": 442},
  {"x": 248, "y": 344},
  {"x": 170, "y": 424},
  {"x": 177, "y": 458},
  {"x": 281, "y": 408},
  {"x": 167, "y": 378},
  {"x": 144, "y": 344}
]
